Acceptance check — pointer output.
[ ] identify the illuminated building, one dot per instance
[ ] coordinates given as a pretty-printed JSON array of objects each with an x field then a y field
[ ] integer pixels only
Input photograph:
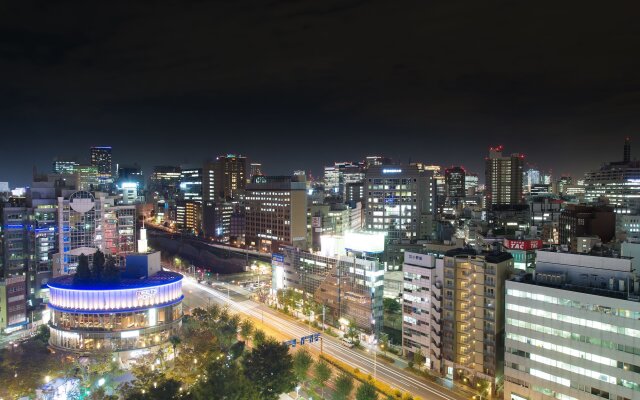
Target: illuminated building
[
  {"x": 191, "y": 184},
  {"x": 341, "y": 174},
  {"x": 523, "y": 251},
  {"x": 276, "y": 212},
  {"x": 562, "y": 183},
  {"x": 87, "y": 177},
  {"x": 572, "y": 330},
  {"x": 13, "y": 307},
  {"x": 130, "y": 184},
  {"x": 422, "y": 307},
  {"x": 216, "y": 219},
  {"x": 455, "y": 182},
  {"x": 399, "y": 200},
  {"x": 140, "y": 310},
  {"x": 350, "y": 287},
  {"x": 225, "y": 178},
  {"x": 64, "y": 167},
  {"x": 531, "y": 177},
  {"x": 578, "y": 220},
  {"x": 87, "y": 224},
  {"x": 255, "y": 169},
  {"x": 473, "y": 313},
  {"x": 503, "y": 177},
  {"x": 189, "y": 216},
  {"x": 471, "y": 183},
  {"x": 101, "y": 158},
  {"x": 619, "y": 182},
  {"x": 165, "y": 181}
]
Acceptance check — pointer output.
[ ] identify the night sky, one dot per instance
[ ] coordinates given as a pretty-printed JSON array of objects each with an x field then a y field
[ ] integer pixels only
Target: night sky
[{"x": 300, "y": 84}]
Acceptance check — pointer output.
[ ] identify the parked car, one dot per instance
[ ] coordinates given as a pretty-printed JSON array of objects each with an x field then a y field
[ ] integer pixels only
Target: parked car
[{"x": 347, "y": 342}]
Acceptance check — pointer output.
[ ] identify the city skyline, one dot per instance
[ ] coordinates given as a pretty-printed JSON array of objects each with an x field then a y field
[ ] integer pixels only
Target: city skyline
[{"x": 298, "y": 84}]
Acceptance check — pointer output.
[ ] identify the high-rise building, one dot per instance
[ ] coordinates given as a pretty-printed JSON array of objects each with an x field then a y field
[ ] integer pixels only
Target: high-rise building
[
  {"x": 532, "y": 176},
  {"x": 165, "y": 181},
  {"x": 100, "y": 157},
  {"x": 618, "y": 182},
  {"x": 349, "y": 287},
  {"x": 276, "y": 212},
  {"x": 578, "y": 220},
  {"x": 87, "y": 177},
  {"x": 422, "y": 307},
  {"x": 130, "y": 184},
  {"x": 471, "y": 183},
  {"x": 473, "y": 319},
  {"x": 376, "y": 160},
  {"x": 399, "y": 200},
  {"x": 87, "y": 223},
  {"x": 191, "y": 184},
  {"x": 189, "y": 215},
  {"x": 230, "y": 177},
  {"x": 64, "y": 166},
  {"x": 455, "y": 182},
  {"x": 255, "y": 169},
  {"x": 341, "y": 174},
  {"x": 572, "y": 329},
  {"x": 561, "y": 185},
  {"x": 503, "y": 177}
]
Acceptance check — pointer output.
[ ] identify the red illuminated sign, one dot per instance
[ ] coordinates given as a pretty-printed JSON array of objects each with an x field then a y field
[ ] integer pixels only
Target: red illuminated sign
[{"x": 523, "y": 244}]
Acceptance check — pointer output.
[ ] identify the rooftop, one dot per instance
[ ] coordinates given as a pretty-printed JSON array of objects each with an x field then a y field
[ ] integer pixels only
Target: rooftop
[{"x": 159, "y": 279}]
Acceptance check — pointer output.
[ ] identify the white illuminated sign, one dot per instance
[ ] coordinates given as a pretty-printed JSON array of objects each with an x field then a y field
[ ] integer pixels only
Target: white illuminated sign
[
  {"x": 146, "y": 294},
  {"x": 129, "y": 334},
  {"x": 391, "y": 171},
  {"x": 366, "y": 242}
]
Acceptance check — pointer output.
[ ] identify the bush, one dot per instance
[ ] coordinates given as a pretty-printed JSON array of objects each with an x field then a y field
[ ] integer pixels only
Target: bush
[{"x": 356, "y": 373}]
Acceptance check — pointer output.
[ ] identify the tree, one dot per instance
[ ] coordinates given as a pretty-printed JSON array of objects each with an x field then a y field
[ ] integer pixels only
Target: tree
[
  {"x": 224, "y": 380},
  {"x": 175, "y": 341},
  {"x": 259, "y": 337},
  {"x": 384, "y": 343},
  {"x": 322, "y": 373},
  {"x": 111, "y": 274},
  {"x": 302, "y": 361},
  {"x": 270, "y": 367},
  {"x": 352, "y": 333},
  {"x": 344, "y": 386},
  {"x": 366, "y": 391},
  {"x": 418, "y": 359},
  {"x": 391, "y": 306},
  {"x": 246, "y": 329},
  {"x": 43, "y": 334},
  {"x": 98, "y": 266},
  {"x": 83, "y": 273}
]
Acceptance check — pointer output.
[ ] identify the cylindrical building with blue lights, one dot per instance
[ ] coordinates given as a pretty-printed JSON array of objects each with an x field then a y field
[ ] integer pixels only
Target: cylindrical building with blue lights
[{"x": 133, "y": 314}]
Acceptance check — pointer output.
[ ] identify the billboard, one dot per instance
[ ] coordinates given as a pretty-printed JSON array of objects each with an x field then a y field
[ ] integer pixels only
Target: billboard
[
  {"x": 365, "y": 242},
  {"x": 524, "y": 244}
]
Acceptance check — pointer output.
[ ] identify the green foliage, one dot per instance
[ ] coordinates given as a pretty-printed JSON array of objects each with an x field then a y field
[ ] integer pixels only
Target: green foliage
[
  {"x": 270, "y": 367},
  {"x": 352, "y": 333},
  {"x": 321, "y": 374},
  {"x": 418, "y": 359},
  {"x": 224, "y": 380},
  {"x": 160, "y": 389},
  {"x": 366, "y": 391},
  {"x": 391, "y": 306},
  {"x": 246, "y": 329},
  {"x": 344, "y": 386},
  {"x": 302, "y": 361},
  {"x": 83, "y": 273},
  {"x": 43, "y": 334},
  {"x": 259, "y": 337},
  {"x": 98, "y": 266}
]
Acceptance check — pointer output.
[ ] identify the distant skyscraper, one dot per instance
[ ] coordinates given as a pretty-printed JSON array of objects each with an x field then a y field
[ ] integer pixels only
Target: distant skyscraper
[
  {"x": 336, "y": 177},
  {"x": 471, "y": 183},
  {"x": 562, "y": 184},
  {"x": 64, "y": 167},
  {"x": 255, "y": 169},
  {"x": 101, "y": 158},
  {"x": 230, "y": 176},
  {"x": 191, "y": 184},
  {"x": 165, "y": 181},
  {"x": 376, "y": 160},
  {"x": 455, "y": 182},
  {"x": 87, "y": 177},
  {"x": 531, "y": 177},
  {"x": 503, "y": 177}
]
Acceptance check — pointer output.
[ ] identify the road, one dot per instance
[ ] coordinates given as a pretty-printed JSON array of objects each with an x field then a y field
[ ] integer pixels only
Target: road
[{"x": 198, "y": 295}]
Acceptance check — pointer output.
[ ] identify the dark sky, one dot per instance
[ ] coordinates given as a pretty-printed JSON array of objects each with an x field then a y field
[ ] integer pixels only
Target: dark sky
[{"x": 300, "y": 84}]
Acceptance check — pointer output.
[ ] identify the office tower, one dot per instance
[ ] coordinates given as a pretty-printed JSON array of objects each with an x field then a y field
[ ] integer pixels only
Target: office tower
[
  {"x": 87, "y": 177},
  {"x": 503, "y": 177},
  {"x": 354, "y": 193},
  {"x": 376, "y": 160},
  {"x": 165, "y": 181},
  {"x": 101, "y": 158},
  {"x": 471, "y": 183},
  {"x": 399, "y": 200},
  {"x": 326, "y": 219},
  {"x": 540, "y": 189},
  {"x": 422, "y": 308},
  {"x": 130, "y": 184},
  {"x": 230, "y": 176},
  {"x": 338, "y": 176},
  {"x": 455, "y": 186},
  {"x": 216, "y": 218},
  {"x": 579, "y": 220},
  {"x": 255, "y": 169},
  {"x": 191, "y": 184},
  {"x": 349, "y": 287},
  {"x": 532, "y": 176},
  {"x": 189, "y": 214},
  {"x": 561, "y": 185},
  {"x": 473, "y": 320},
  {"x": 572, "y": 329},
  {"x": 276, "y": 212},
  {"x": 87, "y": 223},
  {"x": 618, "y": 182},
  {"x": 64, "y": 166}
]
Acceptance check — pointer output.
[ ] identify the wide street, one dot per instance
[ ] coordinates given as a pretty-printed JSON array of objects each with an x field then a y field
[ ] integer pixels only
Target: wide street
[{"x": 199, "y": 295}]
